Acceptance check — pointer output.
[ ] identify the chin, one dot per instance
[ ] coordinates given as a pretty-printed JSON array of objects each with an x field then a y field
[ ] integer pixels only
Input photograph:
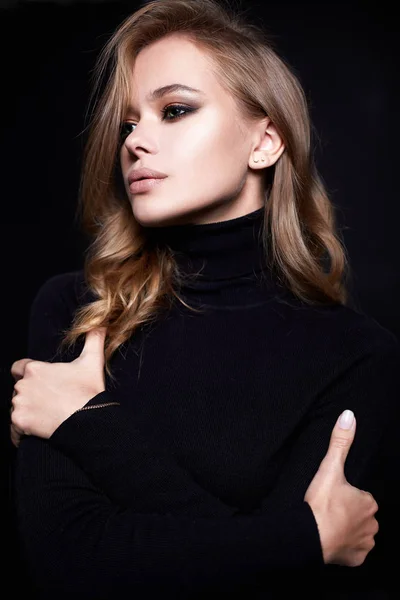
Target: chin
[
  {"x": 154, "y": 212},
  {"x": 153, "y": 216}
]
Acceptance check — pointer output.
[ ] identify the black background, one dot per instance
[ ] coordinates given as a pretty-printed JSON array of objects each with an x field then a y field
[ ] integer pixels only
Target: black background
[{"x": 347, "y": 59}]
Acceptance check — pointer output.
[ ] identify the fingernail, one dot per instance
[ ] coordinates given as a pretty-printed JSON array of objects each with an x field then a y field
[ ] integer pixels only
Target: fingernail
[{"x": 346, "y": 419}]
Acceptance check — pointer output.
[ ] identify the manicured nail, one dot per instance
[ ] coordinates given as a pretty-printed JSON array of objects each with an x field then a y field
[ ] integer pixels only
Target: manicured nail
[{"x": 346, "y": 419}]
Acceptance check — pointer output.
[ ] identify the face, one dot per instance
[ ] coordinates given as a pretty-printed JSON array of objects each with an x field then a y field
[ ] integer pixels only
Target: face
[{"x": 199, "y": 140}]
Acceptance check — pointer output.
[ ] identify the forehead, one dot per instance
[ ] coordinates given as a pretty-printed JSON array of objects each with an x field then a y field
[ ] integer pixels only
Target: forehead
[{"x": 173, "y": 59}]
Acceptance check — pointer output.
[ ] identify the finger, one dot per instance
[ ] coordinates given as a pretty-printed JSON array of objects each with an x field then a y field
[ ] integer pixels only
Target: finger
[
  {"x": 18, "y": 368},
  {"x": 12, "y": 400},
  {"x": 374, "y": 503},
  {"x": 94, "y": 344},
  {"x": 15, "y": 435},
  {"x": 341, "y": 440},
  {"x": 368, "y": 493},
  {"x": 14, "y": 439}
]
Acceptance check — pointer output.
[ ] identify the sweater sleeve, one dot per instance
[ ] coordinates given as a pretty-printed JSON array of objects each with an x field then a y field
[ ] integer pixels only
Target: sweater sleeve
[
  {"x": 79, "y": 543},
  {"x": 88, "y": 536},
  {"x": 368, "y": 384}
]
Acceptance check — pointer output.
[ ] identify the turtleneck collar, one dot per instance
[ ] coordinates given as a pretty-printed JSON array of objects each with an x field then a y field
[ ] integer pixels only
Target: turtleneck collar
[{"x": 227, "y": 256}]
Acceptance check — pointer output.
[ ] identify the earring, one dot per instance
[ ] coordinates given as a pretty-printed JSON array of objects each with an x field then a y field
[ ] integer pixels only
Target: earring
[{"x": 256, "y": 161}]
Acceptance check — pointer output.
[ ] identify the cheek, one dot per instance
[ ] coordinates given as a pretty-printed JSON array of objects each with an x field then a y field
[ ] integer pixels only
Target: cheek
[
  {"x": 124, "y": 161},
  {"x": 223, "y": 159},
  {"x": 204, "y": 148}
]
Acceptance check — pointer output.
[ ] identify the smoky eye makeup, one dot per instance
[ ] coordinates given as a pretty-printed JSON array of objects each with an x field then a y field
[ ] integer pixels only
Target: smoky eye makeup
[{"x": 178, "y": 111}]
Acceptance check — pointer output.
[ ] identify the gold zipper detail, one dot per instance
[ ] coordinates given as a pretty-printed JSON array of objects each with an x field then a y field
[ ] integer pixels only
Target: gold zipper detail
[{"x": 98, "y": 406}]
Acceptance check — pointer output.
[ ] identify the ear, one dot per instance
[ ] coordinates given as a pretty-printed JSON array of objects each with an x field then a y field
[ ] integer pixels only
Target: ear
[{"x": 269, "y": 145}]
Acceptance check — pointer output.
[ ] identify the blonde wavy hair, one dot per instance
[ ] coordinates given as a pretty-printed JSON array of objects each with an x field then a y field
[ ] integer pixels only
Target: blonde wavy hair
[{"x": 132, "y": 279}]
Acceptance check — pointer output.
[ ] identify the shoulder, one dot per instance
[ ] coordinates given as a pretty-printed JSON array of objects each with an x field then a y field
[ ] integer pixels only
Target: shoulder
[
  {"x": 346, "y": 356},
  {"x": 62, "y": 291},
  {"x": 52, "y": 311},
  {"x": 369, "y": 348},
  {"x": 339, "y": 329}
]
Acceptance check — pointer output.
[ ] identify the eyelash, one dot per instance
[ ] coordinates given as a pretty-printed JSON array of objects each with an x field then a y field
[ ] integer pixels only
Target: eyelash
[{"x": 164, "y": 111}]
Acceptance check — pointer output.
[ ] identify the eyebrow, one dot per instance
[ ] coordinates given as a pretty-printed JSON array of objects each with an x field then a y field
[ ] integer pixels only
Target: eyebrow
[{"x": 170, "y": 89}]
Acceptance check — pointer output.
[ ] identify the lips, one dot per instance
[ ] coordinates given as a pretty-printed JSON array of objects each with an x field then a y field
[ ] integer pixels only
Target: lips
[
  {"x": 144, "y": 173},
  {"x": 145, "y": 185}
]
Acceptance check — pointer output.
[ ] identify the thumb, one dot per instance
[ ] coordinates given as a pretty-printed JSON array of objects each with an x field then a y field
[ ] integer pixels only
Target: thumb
[
  {"x": 94, "y": 345},
  {"x": 341, "y": 439}
]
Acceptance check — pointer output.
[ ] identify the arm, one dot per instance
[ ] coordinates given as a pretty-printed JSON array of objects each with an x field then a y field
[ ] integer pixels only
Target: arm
[
  {"x": 366, "y": 383},
  {"x": 77, "y": 540},
  {"x": 369, "y": 385},
  {"x": 80, "y": 540}
]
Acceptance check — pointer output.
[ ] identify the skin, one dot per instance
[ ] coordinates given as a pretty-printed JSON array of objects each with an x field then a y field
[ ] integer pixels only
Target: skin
[
  {"x": 46, "y": 394},
  {"x": 207, "y": 154}
]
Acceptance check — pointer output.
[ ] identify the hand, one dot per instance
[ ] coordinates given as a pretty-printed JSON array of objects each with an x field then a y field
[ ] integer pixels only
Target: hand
[
  {"x": 344, "y": 514},
  {"x": 46, "y": 394}
]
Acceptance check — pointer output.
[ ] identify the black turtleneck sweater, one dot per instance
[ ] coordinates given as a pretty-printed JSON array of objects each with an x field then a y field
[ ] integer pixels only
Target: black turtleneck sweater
[{"x": 194, "y": 483}]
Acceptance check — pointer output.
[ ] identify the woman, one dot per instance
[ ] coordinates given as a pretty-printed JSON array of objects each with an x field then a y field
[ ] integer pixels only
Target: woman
[{"x": 184, "y": 446}]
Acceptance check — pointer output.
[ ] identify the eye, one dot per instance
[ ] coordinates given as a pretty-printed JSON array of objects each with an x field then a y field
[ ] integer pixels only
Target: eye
[
  {"x": 185, "y": 109},
  {"x": 125, "y": 126}
]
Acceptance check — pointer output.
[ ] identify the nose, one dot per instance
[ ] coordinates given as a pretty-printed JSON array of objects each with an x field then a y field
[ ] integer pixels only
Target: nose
[
  {"x": 134, "y": 145},
  {"x": 140, "y": 141}
]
